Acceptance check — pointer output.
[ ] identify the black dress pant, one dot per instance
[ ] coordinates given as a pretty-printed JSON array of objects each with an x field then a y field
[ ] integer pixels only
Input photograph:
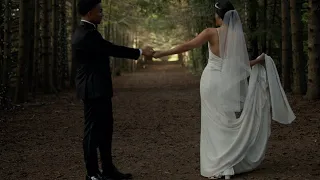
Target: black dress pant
[{"x": 98, "y": 134}]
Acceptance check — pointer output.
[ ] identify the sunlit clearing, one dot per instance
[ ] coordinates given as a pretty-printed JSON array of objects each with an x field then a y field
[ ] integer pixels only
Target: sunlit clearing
[{"x": 173, "y": 58}]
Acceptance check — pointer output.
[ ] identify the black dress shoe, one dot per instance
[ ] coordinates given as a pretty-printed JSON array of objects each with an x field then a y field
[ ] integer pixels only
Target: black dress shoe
[
  {"x": 97, "y": 177},
  {"x": 116, "y": 175}
]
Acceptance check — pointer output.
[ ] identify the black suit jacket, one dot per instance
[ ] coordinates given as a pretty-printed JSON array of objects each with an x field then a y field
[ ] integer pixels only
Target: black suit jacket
[{"x": 91, "y": 53}]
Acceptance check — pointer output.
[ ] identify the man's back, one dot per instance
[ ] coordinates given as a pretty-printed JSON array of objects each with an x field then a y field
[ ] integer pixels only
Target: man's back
[
  {"x": 93, "y": 79},
  {"x": 91, "y": 53}
]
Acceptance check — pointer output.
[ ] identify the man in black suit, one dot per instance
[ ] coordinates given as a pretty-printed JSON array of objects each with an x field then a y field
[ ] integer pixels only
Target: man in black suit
[{"x": 94, "y": 87}]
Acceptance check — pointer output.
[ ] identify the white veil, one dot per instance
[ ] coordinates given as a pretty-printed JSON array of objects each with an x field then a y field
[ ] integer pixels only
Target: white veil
[{"x": 236, "y": 65}]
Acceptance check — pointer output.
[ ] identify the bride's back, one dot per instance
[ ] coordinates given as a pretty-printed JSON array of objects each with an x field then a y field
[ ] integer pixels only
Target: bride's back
[{"x": 214, "y": 42}]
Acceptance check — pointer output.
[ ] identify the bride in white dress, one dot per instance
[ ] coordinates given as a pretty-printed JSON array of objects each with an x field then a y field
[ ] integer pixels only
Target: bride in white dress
[{"x": 231, "y": 145}]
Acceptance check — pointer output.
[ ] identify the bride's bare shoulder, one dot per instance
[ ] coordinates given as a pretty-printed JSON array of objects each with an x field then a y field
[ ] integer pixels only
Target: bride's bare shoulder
[
  {"x": 211, "y": 31},
  {"x": 213, "y": 35}
]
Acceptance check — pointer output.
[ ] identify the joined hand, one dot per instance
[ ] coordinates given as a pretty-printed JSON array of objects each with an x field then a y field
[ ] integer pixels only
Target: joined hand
[{"x": 148, "y": 51}]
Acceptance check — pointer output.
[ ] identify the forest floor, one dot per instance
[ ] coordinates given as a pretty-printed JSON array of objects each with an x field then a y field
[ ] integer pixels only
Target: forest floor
[{"x": 157, "y": 132}]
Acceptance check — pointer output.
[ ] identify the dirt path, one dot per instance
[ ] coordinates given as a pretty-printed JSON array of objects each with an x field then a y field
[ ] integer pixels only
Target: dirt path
[{"x": 157, "y": 128}]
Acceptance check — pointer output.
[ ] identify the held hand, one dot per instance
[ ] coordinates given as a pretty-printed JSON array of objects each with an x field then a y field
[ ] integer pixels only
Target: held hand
[{"x": 147, "y": 51}]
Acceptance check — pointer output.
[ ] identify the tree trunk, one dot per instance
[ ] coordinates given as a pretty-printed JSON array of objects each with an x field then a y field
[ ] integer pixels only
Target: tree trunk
[
  {"x": 45, "y": 48},
  {"x": 1, "y": 43},
  {"x": 63, "y": 44},
  {"x": 253, "y": 5},
  {"x": 109, "y": 20},
  {"x": 55, "y": 31},
  {"x": 36, "y": 48},
  {"x": 286, "y": 61},
  {"x": 314, "y": 50},
  {"x": 28, "y": 79},
  {"x": 7, "y": 44},
  {"x": 270, "y": 40},
  {"x": 50, "y": 48},
  {"x": 246, "y": 16},
  {"x": 265, "y": 26},
  {"x": 74, "y": 26},
  {"x": 299, "y": 77},
  {"x": 22, "y": 57}
]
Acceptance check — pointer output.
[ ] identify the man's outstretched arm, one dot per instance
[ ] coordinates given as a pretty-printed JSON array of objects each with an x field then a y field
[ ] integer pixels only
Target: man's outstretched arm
[{"x": 118, "y": 51}]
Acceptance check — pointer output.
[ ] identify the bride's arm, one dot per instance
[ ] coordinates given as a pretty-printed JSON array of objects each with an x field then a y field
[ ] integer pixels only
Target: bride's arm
[
  {"x": 258, "y": 60},
  {"x": 198, "y": 41},
  {"x": 254, "y": 62}
]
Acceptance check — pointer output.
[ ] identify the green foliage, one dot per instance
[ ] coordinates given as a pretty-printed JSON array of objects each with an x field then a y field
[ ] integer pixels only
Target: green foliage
[{"x": 166, "y": 23}]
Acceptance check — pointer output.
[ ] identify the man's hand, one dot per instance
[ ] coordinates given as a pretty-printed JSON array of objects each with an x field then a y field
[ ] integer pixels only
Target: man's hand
[{"x": 148, "y": 51}]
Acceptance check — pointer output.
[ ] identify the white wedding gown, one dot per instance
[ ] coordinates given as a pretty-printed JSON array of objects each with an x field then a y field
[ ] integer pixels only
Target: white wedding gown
[{"x": 231, "y": 145}]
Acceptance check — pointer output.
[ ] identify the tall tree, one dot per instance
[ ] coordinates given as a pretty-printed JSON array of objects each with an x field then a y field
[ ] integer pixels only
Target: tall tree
[
  {"x": 23, "y": 52},
  {"x": 286, "y": 61},
  {"x": 271, "y": 38},
  {"x": 253, "y": 6},
  {"x": 47, "y": 87},
  {"x": 314, "y": 50},
  {"x": 63, "y": 44},
  {"x": 265, "y": 26},
  {"x": 7, "y": 43},
  {"x": 299, "y": 73},
  {"x": 29, "y": 43},
  {"x": 74, "y": 26},
  {"x": 1, "y": 40},
  {"x": 55, "y": 33},
  {"x": 36, "y": 48}
]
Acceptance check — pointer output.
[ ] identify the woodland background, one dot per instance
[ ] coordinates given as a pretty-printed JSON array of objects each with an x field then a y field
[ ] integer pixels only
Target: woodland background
[
  {"x": 35, "y": 39},
  {"x": 156, "y": 101}
]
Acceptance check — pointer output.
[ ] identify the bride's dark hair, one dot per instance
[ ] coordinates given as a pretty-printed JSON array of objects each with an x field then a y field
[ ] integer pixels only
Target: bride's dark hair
[{"x": 222, "y": 7}]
